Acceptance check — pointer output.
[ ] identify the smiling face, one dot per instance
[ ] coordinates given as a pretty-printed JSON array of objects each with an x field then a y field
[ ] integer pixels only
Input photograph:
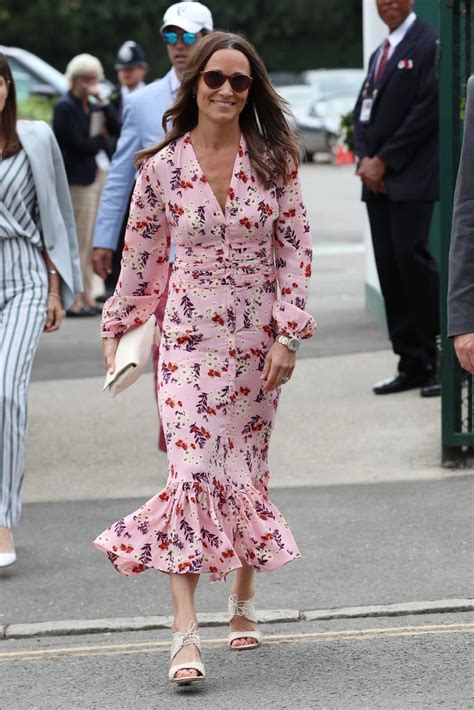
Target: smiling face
[
  {"x": 223, "y": 105},
  {"x": 394, "y": 12},
  {"x": 3, "y": 92}
]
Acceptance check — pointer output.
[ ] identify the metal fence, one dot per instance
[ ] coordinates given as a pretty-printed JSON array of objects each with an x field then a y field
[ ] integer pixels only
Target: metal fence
[{"x": 455, "y": 66}]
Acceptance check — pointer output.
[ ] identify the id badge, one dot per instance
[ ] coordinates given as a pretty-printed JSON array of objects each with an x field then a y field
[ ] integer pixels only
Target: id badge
[{"x": 366, "y": 110}]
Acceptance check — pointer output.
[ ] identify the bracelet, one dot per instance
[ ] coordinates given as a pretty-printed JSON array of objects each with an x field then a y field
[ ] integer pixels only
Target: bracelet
[
  {"x": 52, "y": 271},
  {"x": 54, "y": 295}
]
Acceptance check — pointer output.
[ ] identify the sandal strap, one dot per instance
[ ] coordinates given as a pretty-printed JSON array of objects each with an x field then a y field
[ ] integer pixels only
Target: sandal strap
[
  {"x": 245, "y": 608},
  {"x": 185, "y": 638}
]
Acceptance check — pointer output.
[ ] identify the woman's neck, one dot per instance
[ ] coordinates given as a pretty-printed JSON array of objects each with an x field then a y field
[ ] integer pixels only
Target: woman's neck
[{"x": 215, "y": 137}]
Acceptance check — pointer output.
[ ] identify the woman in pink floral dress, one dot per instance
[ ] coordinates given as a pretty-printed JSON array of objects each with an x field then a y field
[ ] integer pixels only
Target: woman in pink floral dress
[{"x": 223, "y": 185}]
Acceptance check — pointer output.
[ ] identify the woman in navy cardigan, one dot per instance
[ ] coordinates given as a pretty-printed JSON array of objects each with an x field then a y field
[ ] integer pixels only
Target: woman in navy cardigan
[{"x": 86, "y": 128}]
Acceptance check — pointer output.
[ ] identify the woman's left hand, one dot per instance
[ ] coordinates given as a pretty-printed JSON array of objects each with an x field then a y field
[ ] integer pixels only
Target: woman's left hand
[
  {"x": 279, "y": 365},
  {"x": 55, "y": 313}
]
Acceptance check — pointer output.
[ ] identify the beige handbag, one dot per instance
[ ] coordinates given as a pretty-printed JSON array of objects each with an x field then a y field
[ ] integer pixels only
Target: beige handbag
[{"x": 132, "y": 355}]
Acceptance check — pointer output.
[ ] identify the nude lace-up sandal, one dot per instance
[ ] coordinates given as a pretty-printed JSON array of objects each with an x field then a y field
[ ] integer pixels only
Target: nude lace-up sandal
[
  {"x": 246, "y": 609},
  {"x": 186, "y": 638}
]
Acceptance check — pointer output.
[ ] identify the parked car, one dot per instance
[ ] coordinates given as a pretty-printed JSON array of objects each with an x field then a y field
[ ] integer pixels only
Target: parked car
[
  {"x": 316, "y": 118},
  {"x": 35, "y": 77},
  {"x": 32, "y": 75},
  {"x": 319, "y": 127},
  {"x": 335, "y": 81}
]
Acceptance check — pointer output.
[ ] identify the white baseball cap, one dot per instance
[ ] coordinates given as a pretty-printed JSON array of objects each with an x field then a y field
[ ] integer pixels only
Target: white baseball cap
[{"x": 189, "y": 16}]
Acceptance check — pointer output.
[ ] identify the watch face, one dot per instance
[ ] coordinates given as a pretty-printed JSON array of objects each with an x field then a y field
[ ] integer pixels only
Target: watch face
[{"x": 293, "y": 344}]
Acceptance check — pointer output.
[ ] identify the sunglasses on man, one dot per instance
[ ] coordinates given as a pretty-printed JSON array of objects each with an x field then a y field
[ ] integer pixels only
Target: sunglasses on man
[{"x": 188, "y": 38}]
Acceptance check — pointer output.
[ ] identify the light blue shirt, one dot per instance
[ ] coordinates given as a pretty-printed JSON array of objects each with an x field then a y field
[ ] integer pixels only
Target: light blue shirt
[{"x": 141, "y": 128}]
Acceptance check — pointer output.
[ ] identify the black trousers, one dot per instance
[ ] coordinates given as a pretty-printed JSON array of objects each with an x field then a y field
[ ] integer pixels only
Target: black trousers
[{"x": 409, "y": 279}]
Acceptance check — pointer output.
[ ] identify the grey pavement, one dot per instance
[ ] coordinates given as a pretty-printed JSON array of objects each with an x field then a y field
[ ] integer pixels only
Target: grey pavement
[
  {"x": 358, "y": 477},
  {"x": 415, "y": 662},
  {"x": 361, "y": 544}
]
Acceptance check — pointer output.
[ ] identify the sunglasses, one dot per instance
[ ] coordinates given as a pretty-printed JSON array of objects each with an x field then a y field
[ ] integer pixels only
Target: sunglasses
[
  {"x": 189, "y": 38},
  {"x": 216, "y": 79}
]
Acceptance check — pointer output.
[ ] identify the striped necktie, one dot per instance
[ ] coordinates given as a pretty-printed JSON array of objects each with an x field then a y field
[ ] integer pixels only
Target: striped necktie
[{"x": 383, "y": 61}]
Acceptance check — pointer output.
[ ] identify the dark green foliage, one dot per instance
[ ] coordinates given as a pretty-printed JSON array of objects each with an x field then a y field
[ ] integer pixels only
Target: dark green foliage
[{"x": 289, "y": 34}]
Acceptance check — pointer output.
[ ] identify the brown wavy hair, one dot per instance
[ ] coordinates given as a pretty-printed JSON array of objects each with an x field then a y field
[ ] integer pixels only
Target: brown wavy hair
[
  {"x": 8, "y": 116},
  {"x": 263, "y": 121}
]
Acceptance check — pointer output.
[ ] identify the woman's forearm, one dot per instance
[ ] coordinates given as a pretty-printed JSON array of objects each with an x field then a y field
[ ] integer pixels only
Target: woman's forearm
[{"x": 54, "y": 279}]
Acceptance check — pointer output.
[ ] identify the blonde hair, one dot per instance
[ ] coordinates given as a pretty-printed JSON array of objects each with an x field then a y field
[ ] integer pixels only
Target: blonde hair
[{"x": 83, "y": 64}]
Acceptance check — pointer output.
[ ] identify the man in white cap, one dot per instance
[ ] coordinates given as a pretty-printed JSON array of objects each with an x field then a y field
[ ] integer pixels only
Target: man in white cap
[{"x": 184, "y": 23}]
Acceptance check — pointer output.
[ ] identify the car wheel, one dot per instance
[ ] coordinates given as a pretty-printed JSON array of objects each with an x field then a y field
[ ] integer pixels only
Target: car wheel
[{"x": 308, "y": 156}]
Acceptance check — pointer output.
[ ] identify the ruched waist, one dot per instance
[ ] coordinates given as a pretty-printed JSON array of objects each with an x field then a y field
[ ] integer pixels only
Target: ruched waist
[{"x": 224, "y": 266}]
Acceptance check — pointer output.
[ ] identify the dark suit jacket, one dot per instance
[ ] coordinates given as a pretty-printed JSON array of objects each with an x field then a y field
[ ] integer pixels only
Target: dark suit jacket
[
  {"x": 71, "y": 125},
  {"x": 403, "y": 130},
  {"x": 461, "y": 255}
]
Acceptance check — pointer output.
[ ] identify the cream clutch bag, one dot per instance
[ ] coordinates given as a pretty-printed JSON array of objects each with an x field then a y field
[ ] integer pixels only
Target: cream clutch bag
[{"x": 132, "y": 355}]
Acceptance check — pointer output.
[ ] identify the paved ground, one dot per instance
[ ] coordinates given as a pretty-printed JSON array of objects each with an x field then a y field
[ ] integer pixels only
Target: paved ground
[
  {"x": 357, "y": 476},
  {"x": 361, "y": 544},
  {"x": 415, "y": 662}
]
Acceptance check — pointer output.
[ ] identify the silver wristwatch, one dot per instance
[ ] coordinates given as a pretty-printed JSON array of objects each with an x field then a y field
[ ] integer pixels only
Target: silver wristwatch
[{"x": 291, "y": 343}]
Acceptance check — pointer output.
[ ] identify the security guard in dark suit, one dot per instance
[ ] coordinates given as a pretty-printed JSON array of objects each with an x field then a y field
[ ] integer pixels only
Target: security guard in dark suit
[
  {"x": 131, "y": 66},
  {"x": 396, "y": 142}
]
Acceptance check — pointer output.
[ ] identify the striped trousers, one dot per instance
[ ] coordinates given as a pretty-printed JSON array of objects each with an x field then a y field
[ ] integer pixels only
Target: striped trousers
[{"x": 23, "y": 295}]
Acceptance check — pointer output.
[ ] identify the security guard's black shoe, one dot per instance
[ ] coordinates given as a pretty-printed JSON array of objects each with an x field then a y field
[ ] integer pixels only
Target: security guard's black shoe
[
  {"x": 401, "y": 382},
  {"x": 432, "y": 388}
]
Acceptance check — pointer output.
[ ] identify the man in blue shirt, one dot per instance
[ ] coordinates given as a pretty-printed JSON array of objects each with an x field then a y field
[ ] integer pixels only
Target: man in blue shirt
[{"x": 183, "y": 24}]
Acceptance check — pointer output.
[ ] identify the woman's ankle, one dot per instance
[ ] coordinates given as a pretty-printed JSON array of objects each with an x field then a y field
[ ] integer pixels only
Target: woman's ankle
[{"x": 183, "y": 622}]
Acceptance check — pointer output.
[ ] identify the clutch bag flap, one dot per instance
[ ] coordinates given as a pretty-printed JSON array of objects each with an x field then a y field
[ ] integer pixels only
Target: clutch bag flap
[{"x": 132, "y": 355}]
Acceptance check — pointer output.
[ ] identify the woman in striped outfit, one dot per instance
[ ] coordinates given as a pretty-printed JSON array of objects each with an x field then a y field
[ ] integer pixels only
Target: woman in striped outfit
[{"x": 39, "y": 273}]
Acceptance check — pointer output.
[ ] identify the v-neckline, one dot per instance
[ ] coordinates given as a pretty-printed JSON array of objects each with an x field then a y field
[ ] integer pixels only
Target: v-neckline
[{"x": 232, "y": 177}]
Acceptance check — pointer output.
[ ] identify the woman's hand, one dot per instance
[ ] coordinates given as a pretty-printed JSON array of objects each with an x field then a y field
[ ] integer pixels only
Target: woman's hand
[
  {"x": 55, "y": 313},
  {"x": 279, "y": 365},
  {"x": 110, "y": 346}
]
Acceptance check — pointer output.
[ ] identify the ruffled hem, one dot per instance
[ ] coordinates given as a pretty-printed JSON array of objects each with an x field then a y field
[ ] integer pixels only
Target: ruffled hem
[
  {"x": 293, "y": 321},
  {"x": 200, "y": 528}
]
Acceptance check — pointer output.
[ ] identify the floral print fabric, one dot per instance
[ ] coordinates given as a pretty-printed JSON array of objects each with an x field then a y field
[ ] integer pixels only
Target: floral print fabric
[{"x": 221, "y": 318}]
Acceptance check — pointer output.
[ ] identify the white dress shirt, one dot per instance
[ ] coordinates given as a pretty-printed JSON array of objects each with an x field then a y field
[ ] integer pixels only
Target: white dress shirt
[{"x": 395, "y": 38}]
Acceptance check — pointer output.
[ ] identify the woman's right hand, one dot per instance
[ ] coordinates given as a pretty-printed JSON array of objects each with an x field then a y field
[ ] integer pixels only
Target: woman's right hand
[{"x": 110, "y": 346}]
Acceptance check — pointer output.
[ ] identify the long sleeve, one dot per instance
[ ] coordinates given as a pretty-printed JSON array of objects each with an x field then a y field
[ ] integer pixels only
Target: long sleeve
[
  {"x": 70, "y": 135},
  {"x": 67, "y": 213},
  {"x": 360, "y": 143},
  {"x": 293, "y": 256},
  {"x": 115, "y": 195},
  {"x": 144, "y": 269},
  {"x": 461, "y": 255}
]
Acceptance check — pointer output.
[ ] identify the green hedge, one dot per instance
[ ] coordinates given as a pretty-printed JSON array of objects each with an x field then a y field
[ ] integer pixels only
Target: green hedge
[{"x": 36, "y": 108}]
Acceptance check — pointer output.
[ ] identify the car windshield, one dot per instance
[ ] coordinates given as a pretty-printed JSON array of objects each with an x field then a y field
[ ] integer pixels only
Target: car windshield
[
  {"x": 331, "y": 82},
  {"x": 334, "y": 106},
  {"x": 299, "y": 97}
]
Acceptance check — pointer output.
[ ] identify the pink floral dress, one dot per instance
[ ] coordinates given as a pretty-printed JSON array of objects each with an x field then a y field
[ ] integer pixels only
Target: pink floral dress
[{"x": 221, "y": 318}]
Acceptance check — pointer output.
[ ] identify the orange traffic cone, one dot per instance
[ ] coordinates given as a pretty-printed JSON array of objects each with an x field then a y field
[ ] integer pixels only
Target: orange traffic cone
[{"x": 343, "y": 156}]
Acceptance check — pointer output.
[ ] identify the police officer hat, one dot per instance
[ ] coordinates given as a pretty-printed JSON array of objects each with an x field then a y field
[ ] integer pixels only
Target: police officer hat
[{"x": 130, "y": 55}]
